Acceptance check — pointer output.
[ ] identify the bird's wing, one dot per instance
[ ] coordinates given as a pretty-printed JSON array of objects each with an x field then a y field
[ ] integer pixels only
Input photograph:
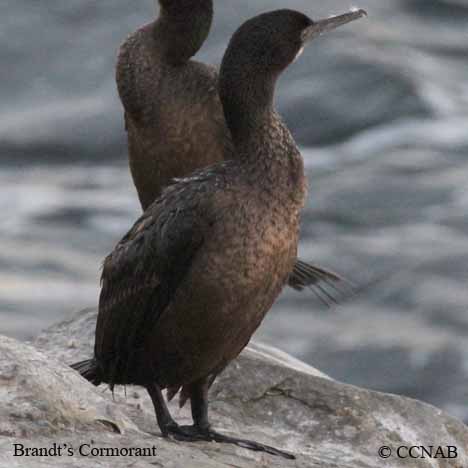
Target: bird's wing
[{"x": 140, "y": 277}]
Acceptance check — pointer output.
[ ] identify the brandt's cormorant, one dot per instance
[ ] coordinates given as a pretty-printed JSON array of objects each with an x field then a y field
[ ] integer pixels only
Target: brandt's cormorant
[
  {"x": 185, "y": 289},
  {"x": 173, "y": 115}
]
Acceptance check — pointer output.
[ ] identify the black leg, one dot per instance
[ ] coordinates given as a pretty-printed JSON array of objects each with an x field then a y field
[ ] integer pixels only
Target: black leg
[
  {"x": 199, "y": 404},
  {"x": 201, "y": 430},
  {"x": 164, "y": 418}
]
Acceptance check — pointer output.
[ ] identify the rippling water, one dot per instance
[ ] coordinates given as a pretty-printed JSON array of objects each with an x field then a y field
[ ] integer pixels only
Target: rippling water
[{"x": 380, "y": 110}]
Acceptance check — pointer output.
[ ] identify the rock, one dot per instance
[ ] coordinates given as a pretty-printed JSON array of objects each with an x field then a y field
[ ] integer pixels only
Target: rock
[
  {"x": 265, "y": 395},
  {"x": 41, "y": 395}
]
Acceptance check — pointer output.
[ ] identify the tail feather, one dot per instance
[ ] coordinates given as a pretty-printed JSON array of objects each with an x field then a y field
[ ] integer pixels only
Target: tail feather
[
  {"x": 184, "y": 394},
  {"x": 172, "y": 392},
  {"x": 329, "y": 287},
  {"x": 89, "y": 369}
]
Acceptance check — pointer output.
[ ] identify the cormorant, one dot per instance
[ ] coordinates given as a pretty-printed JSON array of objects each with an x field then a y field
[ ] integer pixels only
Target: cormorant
[
  {"x": 185, "y": 289},
  {"x": 173, "y": 115}
]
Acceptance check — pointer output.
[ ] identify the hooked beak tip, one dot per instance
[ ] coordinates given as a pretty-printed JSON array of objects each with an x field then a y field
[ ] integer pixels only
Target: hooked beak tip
[{"x": 362, "y": 13}]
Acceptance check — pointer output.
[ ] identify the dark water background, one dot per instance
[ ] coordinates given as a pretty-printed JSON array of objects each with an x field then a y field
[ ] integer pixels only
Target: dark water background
[{"x": 380, "y": 110}]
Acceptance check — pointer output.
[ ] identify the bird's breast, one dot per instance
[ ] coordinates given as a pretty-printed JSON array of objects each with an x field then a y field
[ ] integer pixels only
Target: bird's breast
[{"x": 255, "y": 243}]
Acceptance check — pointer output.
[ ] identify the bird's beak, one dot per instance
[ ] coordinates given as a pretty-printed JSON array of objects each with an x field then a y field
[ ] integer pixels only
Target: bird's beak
[{"x": 328, "y": 24}]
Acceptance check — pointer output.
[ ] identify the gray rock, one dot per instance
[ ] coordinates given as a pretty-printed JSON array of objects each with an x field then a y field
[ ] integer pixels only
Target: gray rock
[{"x": 264, "y": 395}]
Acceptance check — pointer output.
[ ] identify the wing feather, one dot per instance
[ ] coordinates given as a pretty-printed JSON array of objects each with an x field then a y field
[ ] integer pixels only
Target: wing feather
[{"x": 140, "y": 277}]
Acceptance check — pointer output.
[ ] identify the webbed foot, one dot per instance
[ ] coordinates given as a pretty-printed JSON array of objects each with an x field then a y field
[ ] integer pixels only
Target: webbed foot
[{"x": 196, "y": 434}]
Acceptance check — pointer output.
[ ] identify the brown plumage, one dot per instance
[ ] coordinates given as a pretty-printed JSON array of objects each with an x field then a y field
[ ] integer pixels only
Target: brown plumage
[
  {"x": 173, "y": 114},
  {"x": 185, "y": 289}
]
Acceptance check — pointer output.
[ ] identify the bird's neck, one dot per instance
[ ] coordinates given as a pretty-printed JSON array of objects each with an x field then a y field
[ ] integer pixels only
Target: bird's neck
[
  {"x": 248, "y": 104},
  {"x": 264, "y": 146},
  {"x": 270, "y": 157},
  {"x": 180, "y": 36}
]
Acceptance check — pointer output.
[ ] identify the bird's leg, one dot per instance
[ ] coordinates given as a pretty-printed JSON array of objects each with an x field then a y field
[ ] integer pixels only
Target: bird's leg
[
  {"x": 201, "y": 429},
  {"x": 199, "y": 405},
  {"x": 164, "y": 418}
]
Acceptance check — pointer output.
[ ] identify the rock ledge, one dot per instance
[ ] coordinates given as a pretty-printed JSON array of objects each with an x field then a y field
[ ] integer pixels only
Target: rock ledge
[{"x": 265, "y": 395}]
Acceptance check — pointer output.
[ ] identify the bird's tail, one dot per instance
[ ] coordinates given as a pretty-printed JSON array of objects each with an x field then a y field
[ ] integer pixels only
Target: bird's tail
[{"x": 89, "y": 369}]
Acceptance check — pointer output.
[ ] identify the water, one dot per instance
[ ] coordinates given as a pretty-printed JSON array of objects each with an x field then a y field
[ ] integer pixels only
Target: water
[{"x": 380, "y": 110}]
